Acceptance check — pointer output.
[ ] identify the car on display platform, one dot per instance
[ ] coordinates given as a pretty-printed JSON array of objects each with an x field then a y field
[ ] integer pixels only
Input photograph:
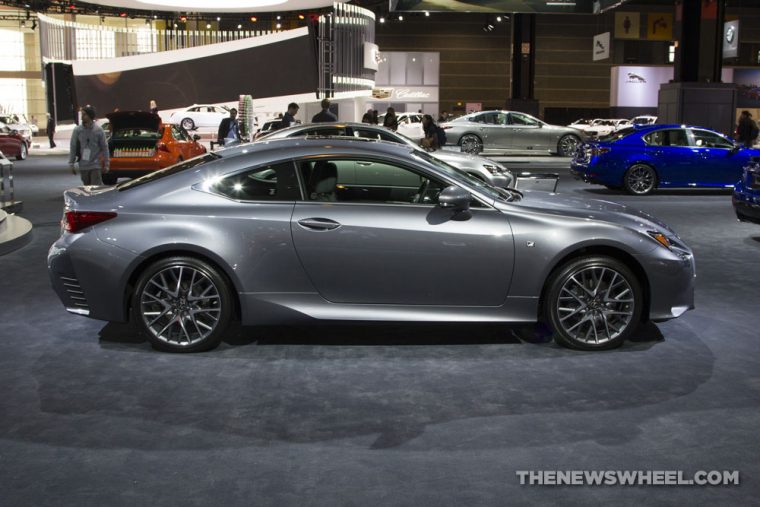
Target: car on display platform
[
  {"x": 12, "y": 144},
  {"x": 293, "y": 230},
  {"x": 509, "y": 131},
  {"x": 139, "y": 143},
  {"x": 644, "y": 120},
  {"x": 409, "y": 124},
  {"x": 20, "y": 125},
  {"x": 267, "y": 127},
  {"x": 200, "y": 116},
  {"x": 640, "y": 159},
  {"x": 601, "y": 128},
  {"x": 480, "y": 167},
  {"x": 746, "y": 197}
]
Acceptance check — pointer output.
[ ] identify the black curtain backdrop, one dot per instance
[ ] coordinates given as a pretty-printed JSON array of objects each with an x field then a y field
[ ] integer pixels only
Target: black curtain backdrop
[{"x": 281, "y": 68}]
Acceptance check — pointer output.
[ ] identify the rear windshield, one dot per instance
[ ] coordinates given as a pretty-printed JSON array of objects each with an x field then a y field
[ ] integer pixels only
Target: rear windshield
[
  {"x": 617, "y": 135},
  {"x": 176, "y": 168}
]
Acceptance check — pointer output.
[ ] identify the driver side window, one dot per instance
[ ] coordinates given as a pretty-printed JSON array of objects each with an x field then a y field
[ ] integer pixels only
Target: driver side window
[
  {"x": 367, "y": 181},
  {"x": 705, "y": 139}
]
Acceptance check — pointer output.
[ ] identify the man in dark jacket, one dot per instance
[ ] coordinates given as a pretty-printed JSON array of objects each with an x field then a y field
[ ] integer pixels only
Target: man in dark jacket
[
  {"x": 391, "y": 120},
  {"x": 51, "y": 130},
  {"x": 229, "y": 130},
  {"x": 325, "y": 115},
  {"x": 746, "y": 130},
  {"x": 289, "y": 118}
]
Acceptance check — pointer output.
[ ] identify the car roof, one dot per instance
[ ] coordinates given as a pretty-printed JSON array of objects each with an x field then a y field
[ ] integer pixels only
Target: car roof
[{"x": 300, "y": 146}]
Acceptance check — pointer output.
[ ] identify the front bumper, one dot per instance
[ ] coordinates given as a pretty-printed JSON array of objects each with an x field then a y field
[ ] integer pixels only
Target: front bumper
[
  {"x": 672, "y": 277},
  {"x": 747, "y": 205}
]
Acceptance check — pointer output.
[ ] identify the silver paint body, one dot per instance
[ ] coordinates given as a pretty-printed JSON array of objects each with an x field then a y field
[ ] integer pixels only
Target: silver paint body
[
  {"x": 386, "y": 262},
  {"x": 509, "y": 138},
  {"x": 485, "y": 169}
]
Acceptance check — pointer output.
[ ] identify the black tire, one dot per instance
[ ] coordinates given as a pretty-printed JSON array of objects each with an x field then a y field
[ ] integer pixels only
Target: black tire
[
  {"x": 183, "y": 315},
  {"x": 640, "y": 179},
  {"x": 187, "y": 123},
  {"x": 470, "y": 143},
  {"x": 22, "y": 154},
  {"x": 578, "y": 308},
  {"x": 567, "y": 145},
  {"x": 109, "y": 179}
]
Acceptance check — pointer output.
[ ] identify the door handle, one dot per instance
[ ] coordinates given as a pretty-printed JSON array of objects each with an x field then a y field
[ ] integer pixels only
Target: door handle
[{"x": 318, "y": 224}]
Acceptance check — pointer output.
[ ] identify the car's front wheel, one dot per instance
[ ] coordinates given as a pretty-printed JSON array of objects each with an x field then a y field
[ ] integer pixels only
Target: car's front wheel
[
  {"x": 23, "y": 152},
  {"x": 182, "y": 304},
  {"x": 470, "y": 143},
  {"x": 593, "y": 303},
  {"x": 187, "y": 123},
  {"x": 640, "y": 179},
  {"x": 568, "y": 145}
]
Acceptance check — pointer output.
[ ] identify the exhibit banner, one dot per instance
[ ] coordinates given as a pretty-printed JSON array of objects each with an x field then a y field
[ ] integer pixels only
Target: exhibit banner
[
  {"x": 601, "y": 49},
  {"x": 731, "y": 39},
  {"x": 659, "y": 26},
  {"x": 473, "y": 107},
  {"x": 627, "y": 25},
  {"x": 406, "y": 94},
  {"x": 371, "y": 56},
  {"x": 639, "y": 86}
]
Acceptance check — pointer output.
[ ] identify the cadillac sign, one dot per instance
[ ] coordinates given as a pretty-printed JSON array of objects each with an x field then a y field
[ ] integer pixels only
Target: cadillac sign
[{"x": 407, "y": 94}]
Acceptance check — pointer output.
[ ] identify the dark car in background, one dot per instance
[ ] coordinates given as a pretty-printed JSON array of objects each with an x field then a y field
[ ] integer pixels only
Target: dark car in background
[
  {"x": 746, "y": 198},
  {"x": 640, "y": 159}
]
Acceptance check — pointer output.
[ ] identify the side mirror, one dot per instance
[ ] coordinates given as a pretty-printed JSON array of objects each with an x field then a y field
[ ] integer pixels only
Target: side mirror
[
  {"x": 500, "y": 181},
  {"x": 196, "y": 137},
  {"x": 454, "y": 198}
]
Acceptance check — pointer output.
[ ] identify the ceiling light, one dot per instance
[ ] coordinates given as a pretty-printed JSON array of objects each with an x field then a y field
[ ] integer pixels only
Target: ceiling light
[
  {"x": 382, "y": 19},
  {"x": 300, "y": 16},
  {"x": 427, "y": 14},
  {"x": 208, "y": 26},
  {"x": 240, "y": 26},
  {"x": 498, "y": 19},
  {"x": 278, "y": 26},
  {"x": 175, "y": 25},
  {"x": 278, "y": 18},
  {"x": 254, "y": 19},
  {"x": 218, "y": 18},
  {"x": 218, "y": 5},
  {"x": 401, "y": 18}
]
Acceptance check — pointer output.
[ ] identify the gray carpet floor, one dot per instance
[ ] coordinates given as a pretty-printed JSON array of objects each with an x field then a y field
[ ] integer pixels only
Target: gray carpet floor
[{"x": 378, "y": 414}]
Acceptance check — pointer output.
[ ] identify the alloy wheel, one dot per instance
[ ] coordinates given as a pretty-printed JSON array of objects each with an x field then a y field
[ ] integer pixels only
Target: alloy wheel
[
  {"x": 595, "y": 305},
  {"x": 23, "y": 152},
  {"x": 188, "y": 124},
  {"x": 471, "y": 144},
  {"x": 568, "y": 146},
  {"x": 180, "y": 305},
  {"x": 640, "y": 179}
]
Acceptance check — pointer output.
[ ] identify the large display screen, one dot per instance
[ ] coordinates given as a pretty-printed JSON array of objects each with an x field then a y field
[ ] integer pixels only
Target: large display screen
[
  {"x": 748, "y": 85},
  {"x": 507, "y": 6},
  {"x": 266, "y": 66}
]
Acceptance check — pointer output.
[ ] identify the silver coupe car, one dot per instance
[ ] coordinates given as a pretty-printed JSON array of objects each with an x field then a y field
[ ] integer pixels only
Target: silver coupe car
[
  {"x": 480, "y": 167},
  {"x": 491, "y": 132},
  {"x": 286, "y": 230}
]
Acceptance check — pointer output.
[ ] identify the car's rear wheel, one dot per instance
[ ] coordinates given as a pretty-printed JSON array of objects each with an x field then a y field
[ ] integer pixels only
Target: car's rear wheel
[
  {"x": 593, "y": 303},
  {"x": 109, "y": 179},
  {"x": 640, "y": 179},
  {"x": 23, "y": 152},
  {"x": 187, "y": 123},
  {"x": 182, "y": 304},
  {"x": 470, "y": 143},
  {"x": 568, "y": 145}
]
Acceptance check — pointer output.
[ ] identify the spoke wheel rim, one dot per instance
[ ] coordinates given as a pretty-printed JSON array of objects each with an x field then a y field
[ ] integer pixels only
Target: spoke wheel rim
[
  {"x": 180, "y": 305},
  {"x": 595, "y": 305},
  {"x": 640, "y": 179},
  {"x": 187, "y": 124},
  {"x": 471, "y": 144},
  {"x": 568, "y": 145}
]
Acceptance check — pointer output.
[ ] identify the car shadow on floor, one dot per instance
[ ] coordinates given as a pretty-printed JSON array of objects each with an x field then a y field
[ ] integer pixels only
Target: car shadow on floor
[{"x": 118, "y": 335}]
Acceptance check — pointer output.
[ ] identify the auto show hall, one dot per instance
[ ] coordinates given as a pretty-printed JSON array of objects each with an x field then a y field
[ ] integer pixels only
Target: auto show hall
[{"x": 361, "y": 414}]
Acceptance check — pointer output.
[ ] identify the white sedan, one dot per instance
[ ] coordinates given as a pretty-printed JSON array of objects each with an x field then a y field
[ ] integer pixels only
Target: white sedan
[
  {"x": 199, "y": 116},
  {"x": 409, "y": 124}
]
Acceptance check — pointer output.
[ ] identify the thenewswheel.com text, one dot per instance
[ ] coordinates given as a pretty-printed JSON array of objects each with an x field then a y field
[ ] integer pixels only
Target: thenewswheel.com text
[{"x": 627, "y": 478}]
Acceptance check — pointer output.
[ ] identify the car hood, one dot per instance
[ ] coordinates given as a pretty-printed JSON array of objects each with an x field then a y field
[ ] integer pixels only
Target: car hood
[
  {"x": 134, "y": 120},
  {"x": 594, "y": 209}
]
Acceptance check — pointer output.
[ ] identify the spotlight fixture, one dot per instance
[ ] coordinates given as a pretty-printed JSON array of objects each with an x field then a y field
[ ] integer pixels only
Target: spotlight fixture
[
  {"x": 427, "y": 14},
  {"x": 498, "y": 19},
  {"x": 218, "y": 18},
  {"x": 278, "y": 26},
  {"x": 300, "y": 16},
  {"x": 254, "y": 19},
  {"x": 175, "y": 25},
  {"x": 240, "y": 27},
  {"x": 382, "y": 19},
  {"x": 208, "y": 26},
  {"x": 155, "y": 16},
  {"x": 400, "y": 17},
  {"x": 278, "y": 18},
  {"x": 488, "y": 27}
]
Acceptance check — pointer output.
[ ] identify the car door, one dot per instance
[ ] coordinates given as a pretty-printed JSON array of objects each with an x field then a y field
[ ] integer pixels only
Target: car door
[
  {"x": 720, "y": 163},
  {"x": 382, "y": 241},
  {"x": 526, "y": 133},
  {"x": 672, "y": 155},
  {"x": 494, "y": 131}
]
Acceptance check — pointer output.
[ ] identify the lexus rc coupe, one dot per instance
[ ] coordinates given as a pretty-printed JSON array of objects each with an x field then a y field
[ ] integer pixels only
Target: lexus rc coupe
[
  {"x": 509, "y": 131},
  {"x": 746, "y": 198},
  {"x": 482, "y": 168},
  {"x": 350, "y": 229},
  {"x": 640, "y": 159}
]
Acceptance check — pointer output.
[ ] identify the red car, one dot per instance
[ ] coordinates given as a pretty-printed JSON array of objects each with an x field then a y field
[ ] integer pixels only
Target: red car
[
  {"x": 12, "y": 144},
  {"x": 141, "y": 144}
]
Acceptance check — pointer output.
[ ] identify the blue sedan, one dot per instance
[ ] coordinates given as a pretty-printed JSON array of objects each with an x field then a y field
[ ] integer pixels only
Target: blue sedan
[
  {"x": 746, "y": 196},
  {"x": 642, "y": 158}
]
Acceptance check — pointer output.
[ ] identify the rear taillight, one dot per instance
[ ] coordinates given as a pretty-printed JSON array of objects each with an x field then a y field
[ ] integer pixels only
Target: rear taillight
[
  {"x": 162, "y": 147},
  {"x": 75, "y": 221}
]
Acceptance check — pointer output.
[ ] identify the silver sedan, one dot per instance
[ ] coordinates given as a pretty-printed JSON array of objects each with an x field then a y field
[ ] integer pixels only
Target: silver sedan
[
  {"x": 480, "y": 167},
  {"x": 297, "y": 229},
  {"x": 491, "y": 132}
]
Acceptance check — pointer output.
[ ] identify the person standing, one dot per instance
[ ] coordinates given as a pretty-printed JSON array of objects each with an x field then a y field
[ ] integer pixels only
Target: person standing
[
  {"x": 390, "y": 121},
  {"x": 289, "y": 118},
  {"x": 432, "y": 139},
  {"x": 153, "y": 107},
  {"x": 746, "y": 130},
  {"x": 88, "y": 144},
  {"x": 367, "y": 118},
  {"x": 375, "y": 117},
  {"x": 51, "y": 130},
  {"x": 229, "y": 130},
  {"x": 325, "y": 115}
]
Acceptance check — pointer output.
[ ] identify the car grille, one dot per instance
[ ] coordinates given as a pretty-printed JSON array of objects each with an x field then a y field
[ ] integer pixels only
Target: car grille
[{"x": 74, "y": 292}]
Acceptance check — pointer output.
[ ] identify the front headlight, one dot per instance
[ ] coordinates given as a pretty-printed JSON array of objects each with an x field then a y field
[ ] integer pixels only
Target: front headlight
[{"x": 661, "y": 239}]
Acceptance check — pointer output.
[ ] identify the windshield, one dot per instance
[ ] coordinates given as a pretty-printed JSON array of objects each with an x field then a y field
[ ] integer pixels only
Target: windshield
[
  {"x": 176, "y": 168},
  {"x": 617, "y": 135},
  {"x": 462, "y": 177}
]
